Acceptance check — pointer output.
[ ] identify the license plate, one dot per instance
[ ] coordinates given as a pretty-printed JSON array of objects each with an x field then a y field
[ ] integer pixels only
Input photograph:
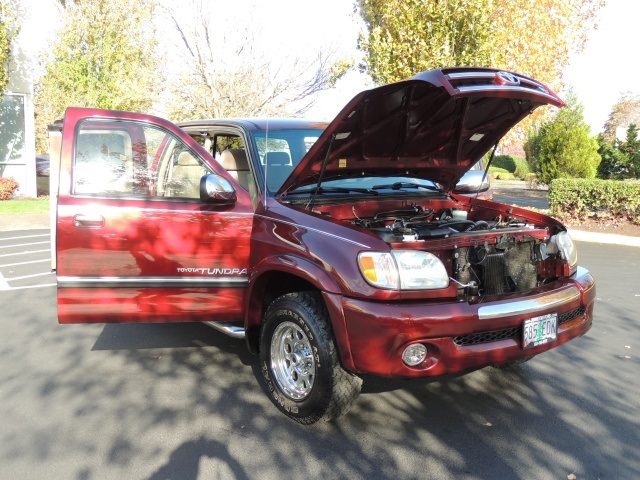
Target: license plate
[{"x": 539, "y": 330}]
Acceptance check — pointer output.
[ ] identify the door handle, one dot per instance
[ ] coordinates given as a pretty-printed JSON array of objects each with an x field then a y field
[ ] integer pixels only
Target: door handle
[{"x": 88, "y": 221}]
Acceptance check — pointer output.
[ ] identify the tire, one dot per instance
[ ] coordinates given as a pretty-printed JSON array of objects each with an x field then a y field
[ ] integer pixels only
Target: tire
[{"x": 299, "y": 360}]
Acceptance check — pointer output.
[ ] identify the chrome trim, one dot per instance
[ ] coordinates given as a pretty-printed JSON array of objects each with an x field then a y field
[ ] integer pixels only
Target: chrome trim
[
  {"x": 500, "y": 88},
  {"x": 459, "y": 75},
  {"x": 492, "y": 75},
  {"x": 161, "y": 282},
  {"x": 312, "y": 229},
  {"x": 554, "y": 299},
  {"x": 233, "y": 331}
]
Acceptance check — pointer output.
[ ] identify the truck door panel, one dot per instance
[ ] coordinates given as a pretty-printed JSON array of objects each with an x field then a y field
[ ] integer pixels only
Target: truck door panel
[{"x": 134, "y": 241}]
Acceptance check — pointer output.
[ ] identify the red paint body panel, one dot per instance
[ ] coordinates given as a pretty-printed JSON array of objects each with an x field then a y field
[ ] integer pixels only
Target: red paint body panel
[
  {"x": 379, "y": 332},
  {"x": 139, "y": 305}
]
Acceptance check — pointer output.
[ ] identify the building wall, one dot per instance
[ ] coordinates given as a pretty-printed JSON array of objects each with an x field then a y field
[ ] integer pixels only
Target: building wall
[{"x": 37, "y": 20}]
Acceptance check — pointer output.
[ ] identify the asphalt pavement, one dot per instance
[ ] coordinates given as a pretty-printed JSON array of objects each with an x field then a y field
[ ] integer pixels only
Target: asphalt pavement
[{"x": 181, "y": 401}]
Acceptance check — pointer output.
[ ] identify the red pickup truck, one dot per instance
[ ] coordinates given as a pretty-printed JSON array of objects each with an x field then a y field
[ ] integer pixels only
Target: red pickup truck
[{"x": 335, "y": 250}]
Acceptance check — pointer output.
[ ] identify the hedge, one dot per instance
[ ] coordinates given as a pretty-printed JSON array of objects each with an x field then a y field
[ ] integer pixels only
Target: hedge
[
  {"x": 500, "y": 173},
  {"x": 516, "y": 165},
  {"x": 582, "y": 198},
  {"x": 8, "y": 186}
]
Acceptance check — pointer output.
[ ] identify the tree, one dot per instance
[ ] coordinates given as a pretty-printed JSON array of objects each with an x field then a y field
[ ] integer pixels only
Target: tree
[
  {"x": 613, "y": 162},
  {"x": 631, "y": 149},
  {"x": 562, "y": 147},
  {"x": 623, "y": 113},
  {"x": 105, "y": 57},
  {"x": 531, "y": 37},
  {"x": 227, "y": 73},
  {"x": 7, "y": 32},
  {"x": 405, "y": 37}
]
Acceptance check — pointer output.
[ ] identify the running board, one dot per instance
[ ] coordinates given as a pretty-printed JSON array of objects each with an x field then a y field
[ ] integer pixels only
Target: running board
[{"x": 228, "y": 329}]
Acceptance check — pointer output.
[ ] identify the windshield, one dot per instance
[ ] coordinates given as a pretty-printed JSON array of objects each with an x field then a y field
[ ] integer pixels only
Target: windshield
[{"x": 280, "y": 151}]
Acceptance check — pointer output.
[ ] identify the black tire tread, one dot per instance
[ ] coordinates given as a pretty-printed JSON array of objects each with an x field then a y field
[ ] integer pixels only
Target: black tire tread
[{"x": 346, "y": 386}]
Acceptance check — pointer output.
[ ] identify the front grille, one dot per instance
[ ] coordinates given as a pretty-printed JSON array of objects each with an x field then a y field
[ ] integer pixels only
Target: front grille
[
  {"x": 513, "y": 332},
  {"x": 568, "y": 316},
  {"x": 486, "y": 337}
]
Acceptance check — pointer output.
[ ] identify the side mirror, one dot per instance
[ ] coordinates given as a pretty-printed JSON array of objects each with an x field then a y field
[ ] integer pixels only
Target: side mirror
[
  {"x": 216, "y": 189},
  {"x": 472, "y": 182}
]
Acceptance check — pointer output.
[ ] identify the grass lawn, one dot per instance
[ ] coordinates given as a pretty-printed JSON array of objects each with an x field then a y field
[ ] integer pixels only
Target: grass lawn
[{"x": 24, "y": 205}]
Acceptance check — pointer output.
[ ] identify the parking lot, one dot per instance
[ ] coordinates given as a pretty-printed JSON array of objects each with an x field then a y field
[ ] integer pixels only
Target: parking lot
[{"x": 181, "y": 401}]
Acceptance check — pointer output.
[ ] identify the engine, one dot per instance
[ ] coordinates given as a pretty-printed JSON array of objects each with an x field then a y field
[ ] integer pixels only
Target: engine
[
  {"x": 419, "y": 223},
  {"x": 508, "y": 263}
]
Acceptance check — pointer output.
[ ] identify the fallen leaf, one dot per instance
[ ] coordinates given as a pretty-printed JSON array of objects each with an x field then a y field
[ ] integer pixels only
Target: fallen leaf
[
  {"x": 627, "y": 346},
  {"x": 488, "y": 424},
  {"x": 571, "y": 476}
]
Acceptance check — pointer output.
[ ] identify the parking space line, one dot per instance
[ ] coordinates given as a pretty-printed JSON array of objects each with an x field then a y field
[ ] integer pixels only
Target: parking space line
[
  {"x": 24, "y": 253},
  {"x": 22, "y": 244},
  {"x": 10, "y": 279},
  {"x": 25, "y": 263},
  {"x": 3, "y": 283},
  {"x": 25, "y": 236},
  {"x": 30, "y": 286}
]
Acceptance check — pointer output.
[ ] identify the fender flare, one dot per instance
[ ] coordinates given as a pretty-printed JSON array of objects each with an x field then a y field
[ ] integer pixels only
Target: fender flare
[{"x": 311, "y": 273}]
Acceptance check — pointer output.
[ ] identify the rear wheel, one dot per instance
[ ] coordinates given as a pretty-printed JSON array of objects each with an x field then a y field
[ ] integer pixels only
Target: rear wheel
[{"x": 300, "y": 363}]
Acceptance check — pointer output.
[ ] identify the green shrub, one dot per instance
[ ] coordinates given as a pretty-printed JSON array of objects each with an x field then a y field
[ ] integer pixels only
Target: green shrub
[
  {"x": 522, "y": 168},
  {"x": 8, "y": 186},
  {"x": 499, "y": 173},
  {"x": 506, "y": 162},
  {"x": 581, "y": 198},
  {"x": 563, "y": 146},
  {"x": 516, "y": 165}
]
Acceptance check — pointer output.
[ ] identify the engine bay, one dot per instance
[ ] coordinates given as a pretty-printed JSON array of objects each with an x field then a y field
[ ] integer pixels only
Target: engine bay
[
  {"x": 494, "y": 256},
  {"x": 417, "y": 223}
]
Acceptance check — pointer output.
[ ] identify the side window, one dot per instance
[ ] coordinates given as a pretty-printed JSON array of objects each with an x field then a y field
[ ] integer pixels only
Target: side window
[
  {"x": 228, "y": 149},
  {"x": 126, "y": 159}
]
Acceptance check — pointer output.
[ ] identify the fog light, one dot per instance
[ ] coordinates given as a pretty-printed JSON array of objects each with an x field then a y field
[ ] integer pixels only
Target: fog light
[{"x": 414, "y": 354}]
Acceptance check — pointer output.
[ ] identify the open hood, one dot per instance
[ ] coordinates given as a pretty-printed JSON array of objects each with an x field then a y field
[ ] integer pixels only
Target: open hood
[{"x": 435, "y": 125}]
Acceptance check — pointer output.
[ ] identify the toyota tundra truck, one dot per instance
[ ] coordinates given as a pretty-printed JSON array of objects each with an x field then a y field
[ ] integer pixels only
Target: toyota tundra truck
[{"x": 335, "y": 250}]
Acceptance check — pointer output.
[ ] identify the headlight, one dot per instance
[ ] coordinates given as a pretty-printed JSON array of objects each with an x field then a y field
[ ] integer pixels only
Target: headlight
[
  {"x": 403, "y": 270},
  {"x": 563, "y": 243}
]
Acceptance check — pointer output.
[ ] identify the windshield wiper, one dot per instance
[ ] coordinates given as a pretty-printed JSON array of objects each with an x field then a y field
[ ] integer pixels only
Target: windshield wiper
[
  {"x": 399, "y": 185},
  {"x": 320, "y": 190}
]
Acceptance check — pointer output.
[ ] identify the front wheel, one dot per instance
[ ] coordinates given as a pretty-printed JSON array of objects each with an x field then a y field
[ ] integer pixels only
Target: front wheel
[{"x": 300, "y": 363}]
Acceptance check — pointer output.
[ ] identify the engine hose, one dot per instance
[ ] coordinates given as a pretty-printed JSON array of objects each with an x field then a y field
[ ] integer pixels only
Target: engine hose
[
  {"x": 479, "y": 225},
  {"x": 465, "y": 223}
]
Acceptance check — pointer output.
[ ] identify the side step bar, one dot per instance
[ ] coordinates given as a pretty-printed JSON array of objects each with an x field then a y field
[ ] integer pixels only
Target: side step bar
[{"x": 233, "y": 331}]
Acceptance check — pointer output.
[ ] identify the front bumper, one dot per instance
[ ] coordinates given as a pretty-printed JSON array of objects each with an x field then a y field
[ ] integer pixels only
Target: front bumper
[{"x": 461, "y": 336}]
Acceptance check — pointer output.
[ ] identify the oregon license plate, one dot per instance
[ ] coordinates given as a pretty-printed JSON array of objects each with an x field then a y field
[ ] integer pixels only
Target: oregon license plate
[{"x": 539, "y": 330}]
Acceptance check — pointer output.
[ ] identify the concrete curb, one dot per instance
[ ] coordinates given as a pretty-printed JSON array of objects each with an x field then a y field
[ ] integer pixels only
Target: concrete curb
[{"x": 609, "y": 238}]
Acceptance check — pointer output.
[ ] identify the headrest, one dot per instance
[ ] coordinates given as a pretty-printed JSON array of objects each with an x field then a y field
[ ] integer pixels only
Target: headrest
[
  {"x": 278, "y": 158},
  {"x": 234, "y": 159},
  {"x": 187, "y": 160}
]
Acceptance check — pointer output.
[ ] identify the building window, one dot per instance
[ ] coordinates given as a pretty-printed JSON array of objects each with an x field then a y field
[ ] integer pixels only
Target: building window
[{"x": 12, "y": 129}]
